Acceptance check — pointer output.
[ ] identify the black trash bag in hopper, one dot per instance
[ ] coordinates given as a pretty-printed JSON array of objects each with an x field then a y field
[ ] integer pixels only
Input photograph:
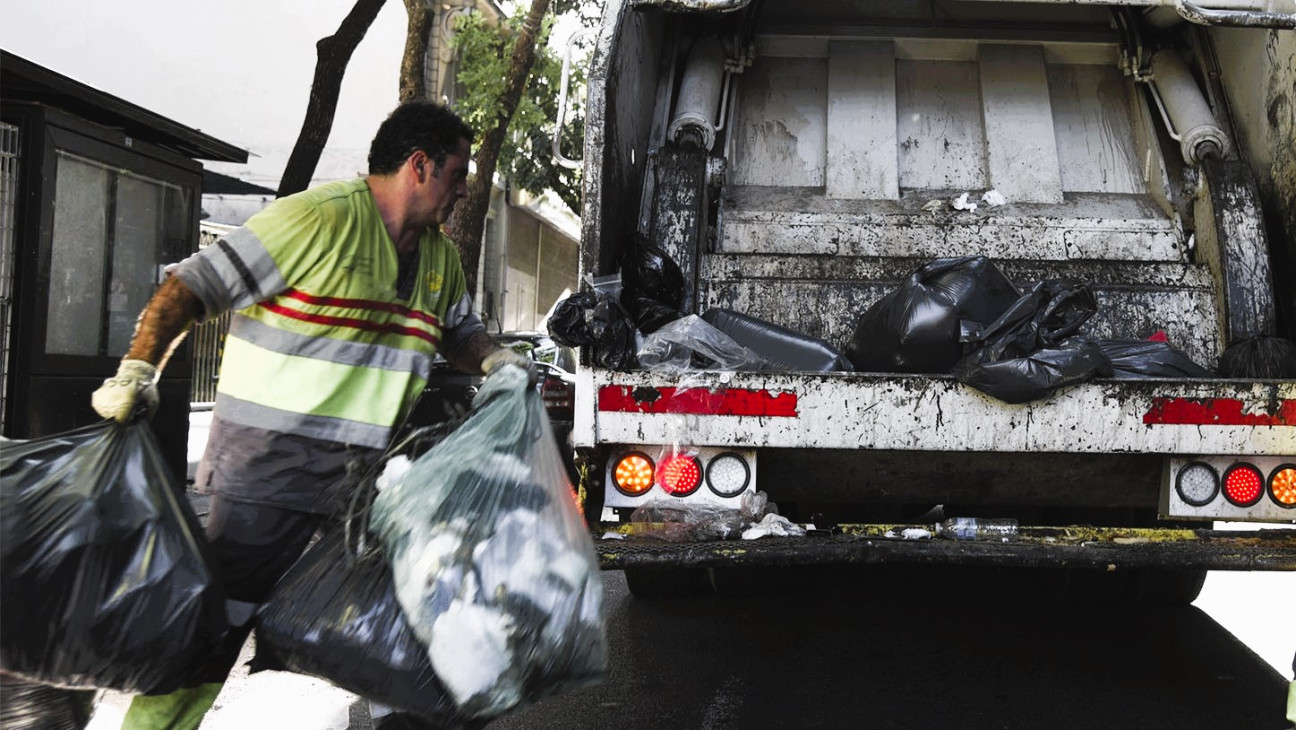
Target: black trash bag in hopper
[
  {"x": 334, "y": 615},
  {"x": 916, "y": 327},
  {"x": 1149, "y": 359},
  {"x": 789, "y": 349},
  {"x": 654, "y": 285},
  {"x": 103, "y": 564},
  {"x": 598, "y": 321},
  {"x": 1030, "y": 352}
]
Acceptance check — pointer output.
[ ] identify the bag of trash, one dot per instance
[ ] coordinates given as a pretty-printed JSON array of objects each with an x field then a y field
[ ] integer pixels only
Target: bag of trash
[
  {"x": 1149, "y": 359},
  {"x": 654, "y": 285},
  {"x": 691, "y": 343},
  {"x": 493, "y": 565},
  {"x": 792, "y": 350},
  {"x": 103, "y": 564},
  {"x": 916, "y": 328},
  {"x": 334, "y": 615},
  {"x": 596, "y": 319},
  {"x": 1029, "y": 352},
  {"x": 1259, "y": 358},
  {"x": 1035, "y": 375},
  {"x": 31, "y": 706}
]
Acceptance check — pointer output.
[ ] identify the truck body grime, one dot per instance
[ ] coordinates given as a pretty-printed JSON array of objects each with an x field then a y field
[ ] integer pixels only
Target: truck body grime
[{"x": 844, "y": 145}]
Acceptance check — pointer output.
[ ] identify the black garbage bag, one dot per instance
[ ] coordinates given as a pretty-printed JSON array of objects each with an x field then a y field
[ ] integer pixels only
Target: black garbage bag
[
  {"x": 31, "y": 706},
  {"x": 105, "y": 576},
  {"x": 1052, "y": 311},
  {"x": 1034, "y": 375},
  {"x": 1149, "y": 359},
  {"x": 596, "y": 320},
  {"x": 916, "y": 327},
  {"x": 1029, "y": 351},
  {"x": 1259, "y": 357},
  {"x": 334, "y": 615},
  {"x": 653, "y": 291},
  {"x": 780, "y": 345}
]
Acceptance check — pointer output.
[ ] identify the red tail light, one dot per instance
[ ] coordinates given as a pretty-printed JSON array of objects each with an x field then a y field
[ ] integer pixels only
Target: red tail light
[
  {"x": 1243, "y": 485},
  {"x": 556, "y": 394},
  {"x": 680, "y": 475}
]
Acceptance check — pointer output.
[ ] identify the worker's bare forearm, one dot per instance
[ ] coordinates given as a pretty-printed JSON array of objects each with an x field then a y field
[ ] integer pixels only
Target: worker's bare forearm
[
  {"x": 469, "y": 354},
  {"x": 163, "y": 323}
]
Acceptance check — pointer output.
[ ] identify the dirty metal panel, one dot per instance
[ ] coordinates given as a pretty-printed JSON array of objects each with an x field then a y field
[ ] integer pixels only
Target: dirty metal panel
[
  {"x": 1165, "y": 275},
  {"x": 939, "y": 126},
  {"x": 1186, "y": 316},
  {"x": 1006, "y": 235},
  {"x": 1109, "y": 549},
  {"x": 1095, "y": 137},
  {"x": 936, "y": 413},
  {"x": 781, "y": 125},
  {"x": 861, "y": 161},
  {"x": 1022, "y": 152}
]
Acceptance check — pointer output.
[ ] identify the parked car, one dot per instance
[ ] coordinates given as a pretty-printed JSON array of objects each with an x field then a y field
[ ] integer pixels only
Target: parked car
[{"x": 449, "y": 392}]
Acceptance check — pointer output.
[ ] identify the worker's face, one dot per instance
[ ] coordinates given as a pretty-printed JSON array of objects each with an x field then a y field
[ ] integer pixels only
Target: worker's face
[{"x": 443, "y": 186}]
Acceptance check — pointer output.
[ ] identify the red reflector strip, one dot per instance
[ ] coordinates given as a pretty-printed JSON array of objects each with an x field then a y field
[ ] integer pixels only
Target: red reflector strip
[
  {"x": 1216, "y": 412},
  {"x": 697, "y": 401}
]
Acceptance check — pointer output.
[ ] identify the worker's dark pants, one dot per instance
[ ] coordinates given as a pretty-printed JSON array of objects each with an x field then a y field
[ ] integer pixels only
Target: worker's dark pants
[{"x": 253, "y": 546}]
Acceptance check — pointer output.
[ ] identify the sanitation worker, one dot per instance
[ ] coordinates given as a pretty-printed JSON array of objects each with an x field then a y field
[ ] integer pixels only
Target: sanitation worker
[{"x": 342, "y": 295}]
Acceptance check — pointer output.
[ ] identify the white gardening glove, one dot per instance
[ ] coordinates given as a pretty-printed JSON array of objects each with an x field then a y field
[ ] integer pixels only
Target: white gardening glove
[
  {"x": 133, "y": 387},
  {"x": 506, "y": 356}
]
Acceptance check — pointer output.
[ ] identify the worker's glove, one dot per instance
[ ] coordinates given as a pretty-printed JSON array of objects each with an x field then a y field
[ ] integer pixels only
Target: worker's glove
[
  {"x": 506, "y": 356},
  {"x": 132, "y": 389}
]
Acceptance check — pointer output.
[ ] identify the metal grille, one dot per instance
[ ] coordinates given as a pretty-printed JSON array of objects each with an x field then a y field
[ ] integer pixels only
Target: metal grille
[
  {"x": 208, "y": 339},
  {"x": 208, "y": 346},
  {"x": 9, "y": 159}
]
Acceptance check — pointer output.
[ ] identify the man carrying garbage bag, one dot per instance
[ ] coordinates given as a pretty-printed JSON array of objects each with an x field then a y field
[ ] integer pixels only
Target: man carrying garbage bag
[{"x": 342, "y": 295}]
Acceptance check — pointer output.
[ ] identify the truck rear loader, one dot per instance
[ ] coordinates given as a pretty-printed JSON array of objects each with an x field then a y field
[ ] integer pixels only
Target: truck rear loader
[{"x": 798, "y": 160}]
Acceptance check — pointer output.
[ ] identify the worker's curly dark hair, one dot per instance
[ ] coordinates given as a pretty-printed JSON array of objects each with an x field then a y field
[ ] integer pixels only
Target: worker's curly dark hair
[{"x": 416, "y": 125}]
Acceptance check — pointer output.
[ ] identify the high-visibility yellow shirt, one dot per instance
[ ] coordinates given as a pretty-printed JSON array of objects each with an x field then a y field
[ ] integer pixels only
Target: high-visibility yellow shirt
[{"x": 321, "y": 345}]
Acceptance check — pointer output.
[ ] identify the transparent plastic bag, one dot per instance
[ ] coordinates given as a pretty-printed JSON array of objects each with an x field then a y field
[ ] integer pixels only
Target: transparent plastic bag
[
  {"x": 691, "y": 343},
  {"x": 493, "y": 565},
  {"x": 106, "y": 579}
]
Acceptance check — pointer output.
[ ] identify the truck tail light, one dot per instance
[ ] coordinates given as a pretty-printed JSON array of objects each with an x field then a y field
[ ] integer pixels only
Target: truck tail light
[
  {"x": 1282, "y": 485},
  {"x": 1198, "y": 483},
  {"x": 728, "y": 474},
  {"x": 556, "y": 394},
  {"x": 1243, "y": 485},
  {"x": 680, "y": 475},
  {"x": 633, "y": 474}
]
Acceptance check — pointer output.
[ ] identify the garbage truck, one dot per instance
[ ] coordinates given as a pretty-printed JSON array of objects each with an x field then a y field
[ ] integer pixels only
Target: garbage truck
[{"x": 799, "y": 160}]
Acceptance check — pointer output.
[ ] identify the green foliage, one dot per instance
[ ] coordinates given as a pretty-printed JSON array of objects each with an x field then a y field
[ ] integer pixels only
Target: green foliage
[{"x": 483, "y": 61}]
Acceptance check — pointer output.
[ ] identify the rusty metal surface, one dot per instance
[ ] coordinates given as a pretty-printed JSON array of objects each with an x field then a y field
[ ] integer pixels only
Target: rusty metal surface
[{"x": 1077, "y": 547}]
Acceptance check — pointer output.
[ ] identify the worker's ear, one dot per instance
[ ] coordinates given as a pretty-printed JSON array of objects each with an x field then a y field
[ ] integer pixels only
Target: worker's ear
[{"x": 419, "y": 160}]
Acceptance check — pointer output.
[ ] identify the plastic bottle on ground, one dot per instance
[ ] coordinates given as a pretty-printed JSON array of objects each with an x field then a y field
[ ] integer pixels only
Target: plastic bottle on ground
[{"x": 977, "y": 528}]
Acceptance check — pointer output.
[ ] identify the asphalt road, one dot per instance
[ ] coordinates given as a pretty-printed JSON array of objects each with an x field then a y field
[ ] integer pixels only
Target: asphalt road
[
  {"x": 908, "y": 647},
  {"x": 887, "y": 647}
]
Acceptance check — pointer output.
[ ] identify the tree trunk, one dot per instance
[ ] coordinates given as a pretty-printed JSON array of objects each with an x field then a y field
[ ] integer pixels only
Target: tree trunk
[
  {"x": 334, "y": 53},
  {"x": 413, "y": 74},
  {"x": 469, "y": 221}
]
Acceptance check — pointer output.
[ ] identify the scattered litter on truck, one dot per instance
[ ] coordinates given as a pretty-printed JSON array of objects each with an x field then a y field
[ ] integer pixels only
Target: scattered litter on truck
[
  {"x": 962, "y": 203},
  {"x": 994, "y": 198}
]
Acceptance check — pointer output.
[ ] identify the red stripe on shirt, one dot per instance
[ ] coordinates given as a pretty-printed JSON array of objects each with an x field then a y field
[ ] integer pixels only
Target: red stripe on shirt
[
  {"x": 302, "y": 296},
  {"x": 360, "y": 324}
]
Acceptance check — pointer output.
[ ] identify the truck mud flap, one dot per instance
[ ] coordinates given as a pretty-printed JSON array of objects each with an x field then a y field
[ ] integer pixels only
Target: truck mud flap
[{"x": 1073, "y": 547}]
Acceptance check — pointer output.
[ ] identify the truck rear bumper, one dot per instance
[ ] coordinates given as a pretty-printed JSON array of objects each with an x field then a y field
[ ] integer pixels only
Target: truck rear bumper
[
  {"x": 935, "y": 413},
  {"x": 1074, "y": 547}
]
